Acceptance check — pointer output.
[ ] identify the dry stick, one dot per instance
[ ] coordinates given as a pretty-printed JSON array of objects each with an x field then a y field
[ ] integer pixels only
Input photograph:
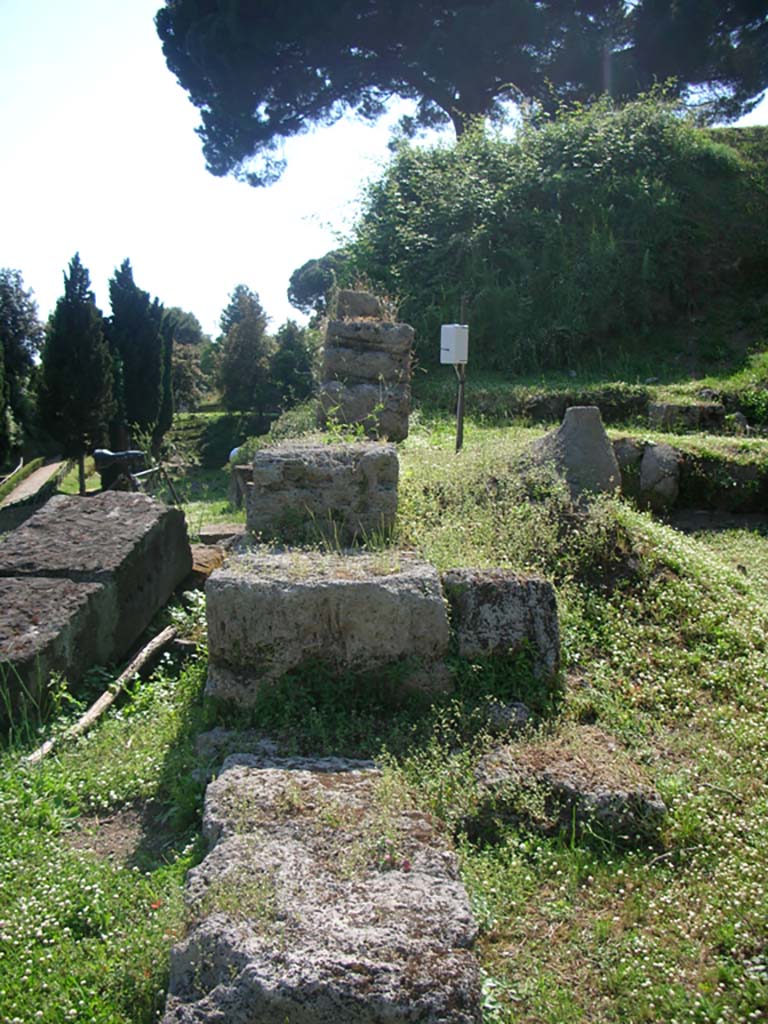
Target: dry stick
[{"x": 96, "y": 710}]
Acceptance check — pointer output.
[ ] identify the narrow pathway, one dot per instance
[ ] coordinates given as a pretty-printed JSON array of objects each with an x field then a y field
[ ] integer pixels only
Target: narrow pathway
[{"x": 29, "y": 487}]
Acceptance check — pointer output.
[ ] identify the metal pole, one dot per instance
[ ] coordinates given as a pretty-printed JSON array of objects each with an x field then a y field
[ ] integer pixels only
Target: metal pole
[{"x": 461, "y": 374}]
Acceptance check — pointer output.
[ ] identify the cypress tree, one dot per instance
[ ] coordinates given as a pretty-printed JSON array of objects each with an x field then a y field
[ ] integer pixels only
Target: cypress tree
[
  {"x": 4, "y": 431},
  {"x": 134, "y": 335},
  {"x": 76, "y": 402}
]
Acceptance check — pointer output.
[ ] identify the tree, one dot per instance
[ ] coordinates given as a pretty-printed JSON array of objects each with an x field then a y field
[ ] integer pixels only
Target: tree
[
  {"x": 245, "y": 352},
  {"x": 290, "y": 368},
  {"x": 75, "y": 399},
  {"x": 263, "y": 72},
  {"x": 21, "y": 336},
  {"x": 135, "y": 336},
  {"x": 312, "y": 282}
]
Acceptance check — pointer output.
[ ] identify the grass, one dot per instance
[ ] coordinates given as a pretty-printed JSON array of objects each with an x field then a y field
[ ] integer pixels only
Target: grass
[{"x": 664, "y": 645}]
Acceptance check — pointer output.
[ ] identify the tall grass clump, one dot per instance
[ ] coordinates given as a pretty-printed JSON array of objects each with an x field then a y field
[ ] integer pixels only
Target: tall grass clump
[{"x": 580, "y": 228}]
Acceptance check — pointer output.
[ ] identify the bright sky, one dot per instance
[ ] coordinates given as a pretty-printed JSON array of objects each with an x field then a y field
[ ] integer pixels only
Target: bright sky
[{"x": 99, "y": 156}]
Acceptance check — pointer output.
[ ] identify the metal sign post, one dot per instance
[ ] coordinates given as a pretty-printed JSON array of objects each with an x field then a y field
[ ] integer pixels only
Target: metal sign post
[{"x": 454, "y": 350}]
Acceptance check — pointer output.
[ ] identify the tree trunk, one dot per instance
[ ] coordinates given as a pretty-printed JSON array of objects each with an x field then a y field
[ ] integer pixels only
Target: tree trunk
[{"x": 81, "y": 471}]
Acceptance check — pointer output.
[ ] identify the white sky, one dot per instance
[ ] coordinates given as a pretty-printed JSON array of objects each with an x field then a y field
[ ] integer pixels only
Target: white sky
[{"x": 98, "y": 154}]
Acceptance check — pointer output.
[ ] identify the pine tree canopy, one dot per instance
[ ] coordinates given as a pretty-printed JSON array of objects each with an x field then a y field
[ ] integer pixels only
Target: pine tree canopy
[{"x": 261, "y": 71}]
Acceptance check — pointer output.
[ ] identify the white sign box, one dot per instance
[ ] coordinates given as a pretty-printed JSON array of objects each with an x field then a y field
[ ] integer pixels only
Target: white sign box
[{"x": 454, "y": 343}]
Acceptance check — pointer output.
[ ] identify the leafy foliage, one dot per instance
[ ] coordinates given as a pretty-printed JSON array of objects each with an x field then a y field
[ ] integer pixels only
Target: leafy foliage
[
  {"x": 21, "y": 337},
  {"x": 581, "y": 226},
  {"x": 290, "y": 367},
  {"x": 76, "y": 401},
  {"x": 312, "y": 282},
  {"x": 261, "y": 73}
]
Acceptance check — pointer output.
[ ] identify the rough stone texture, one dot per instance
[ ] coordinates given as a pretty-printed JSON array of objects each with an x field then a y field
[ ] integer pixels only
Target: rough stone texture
[
  {"x": 583, "y": 780},
  {"x": 346, "y": 492},
  {"x": 47, "y": 626},
  {"x": 366, "y": 376},
  {"x": 582, "y": 453},
  {"x": 239, "y": 478},
  {"x": 270, "y": 612},
  {"x": 672, "y": 416},
  {"x": 352, "y": 304},
  {"x": 134, "y": 547},
  {"x": 222, "y": 533},
  {"x": 321, "y": 903},
  {"x": 205, "y": 559},
  {"x": 659, "y": 476},
  {"x": 628, "y": 454},
  {"x": 494, "y": 611}
]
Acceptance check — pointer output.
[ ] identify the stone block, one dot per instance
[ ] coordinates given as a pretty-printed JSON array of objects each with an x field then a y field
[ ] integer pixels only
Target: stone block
[
  {"x": 271, "y": 612},
  {"x": 348, "y": 364},
  {"x": 682, "y": 416},
  {"x": 381, "y": 410},
  {"x": 50, "y": 626},
  {"x": 497, "y": 612},
  {"x": 345, "y": 492},
  {"x": 134, "y": 546},
  {"x": 581, "y": 452},
  {"x": 352, "y": 304},
  {"x": 366, "y": 335},
  {"x": 321, "y": 903},
  {"x": 659, "y": 476}
]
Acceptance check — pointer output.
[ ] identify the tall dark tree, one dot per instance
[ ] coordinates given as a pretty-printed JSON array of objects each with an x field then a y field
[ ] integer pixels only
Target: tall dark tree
[
  {"x": 135, "y": 336},
  {"x": 311, "y": 283},
  {"x": 75, "y": 398},
  {"x": 290, "y": 368},
  {"x": 21, "y": 337},
  {"x": 5, "y": 426},
  {"x": 262, "y": 71},
  {"x": 245, "y": 352}
]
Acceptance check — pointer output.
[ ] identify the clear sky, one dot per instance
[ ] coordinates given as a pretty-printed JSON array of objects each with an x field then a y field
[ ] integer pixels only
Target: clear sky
[{"x": 99, "y": 155}]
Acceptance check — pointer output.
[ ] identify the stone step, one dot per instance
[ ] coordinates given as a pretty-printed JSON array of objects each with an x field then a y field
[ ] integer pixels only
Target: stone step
[{"x": 326, "y": 898}]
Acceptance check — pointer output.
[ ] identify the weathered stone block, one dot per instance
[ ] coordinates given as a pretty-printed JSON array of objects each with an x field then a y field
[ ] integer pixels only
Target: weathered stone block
[
  {"x": 270, "y": 612},
  {"x": 581, "y": 452},
  {"x": 382, "y": 410},
  {"x": 573, "y": 782},
  {"x": 397, "y": 339},
  {"x": 321, "y": 904},
  {"x": 680, "y": 416},
  {"x": 659, "y": 476},
  {"x": 136, "y": 547},
  {"x": 345, "y": 492},
  {"x": 47, "y": 626},
  {"x": 358, "y": 304},
  {"x": 348, "y": 364},
  {"x": 496, "y": 612}
]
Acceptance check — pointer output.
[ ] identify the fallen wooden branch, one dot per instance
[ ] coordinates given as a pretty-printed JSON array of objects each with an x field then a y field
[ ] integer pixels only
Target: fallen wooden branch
[{"x": 97, "y": 709}]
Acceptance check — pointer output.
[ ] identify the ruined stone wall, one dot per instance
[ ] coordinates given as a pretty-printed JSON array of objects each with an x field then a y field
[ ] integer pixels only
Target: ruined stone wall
[{"x": 366, "y": 370}]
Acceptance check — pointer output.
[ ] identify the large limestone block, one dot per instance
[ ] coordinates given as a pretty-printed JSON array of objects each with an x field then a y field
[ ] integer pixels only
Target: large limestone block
[
  {"x": 659, "y": 476},
  {"x": 349, "y": 364},
  {"x": 50, "y": 626},
  {"x": 680, "y": 416},
  {"x": 271, "y": 612},
  {"x": 396, "y": 339},
  {"x": 581, "y": 452},
  {"x": 136, "y": 547},
  {"x": 346, "y": 492},
  {"x": 322, "y": 901},
  {"x": 381, "y": 409},
  {"x": 351, "y": 304},
  {"x": 497, "y": 612}
]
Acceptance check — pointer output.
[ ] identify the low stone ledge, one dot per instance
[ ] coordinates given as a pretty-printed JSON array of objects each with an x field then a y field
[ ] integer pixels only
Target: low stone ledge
[
  {"x": 498, "y": 612},
  {"x": 320, "y": 902},
  {"x": 271, "y": 612},
  {"x": 344, "y": 492}
]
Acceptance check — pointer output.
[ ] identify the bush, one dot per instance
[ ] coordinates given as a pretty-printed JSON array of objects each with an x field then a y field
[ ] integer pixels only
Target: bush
[{"x": 599, "y": 221}]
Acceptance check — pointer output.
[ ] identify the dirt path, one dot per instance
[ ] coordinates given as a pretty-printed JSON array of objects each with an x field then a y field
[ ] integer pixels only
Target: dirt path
[{"x": 29, "y": 487}]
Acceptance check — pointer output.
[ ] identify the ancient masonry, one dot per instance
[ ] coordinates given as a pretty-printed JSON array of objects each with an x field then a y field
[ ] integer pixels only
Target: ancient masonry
[
  {"x": 80, "y": 581},
  {"x": 366, "y": 369}
]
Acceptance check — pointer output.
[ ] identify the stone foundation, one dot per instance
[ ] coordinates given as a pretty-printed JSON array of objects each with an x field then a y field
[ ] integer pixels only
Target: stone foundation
[{"x": 269, "y": 613}]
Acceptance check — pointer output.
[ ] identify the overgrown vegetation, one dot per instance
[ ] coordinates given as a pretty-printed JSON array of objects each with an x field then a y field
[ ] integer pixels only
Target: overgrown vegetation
[
  {"x": 665, "y": 651},
  {"x": 598, "y": 225}
]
